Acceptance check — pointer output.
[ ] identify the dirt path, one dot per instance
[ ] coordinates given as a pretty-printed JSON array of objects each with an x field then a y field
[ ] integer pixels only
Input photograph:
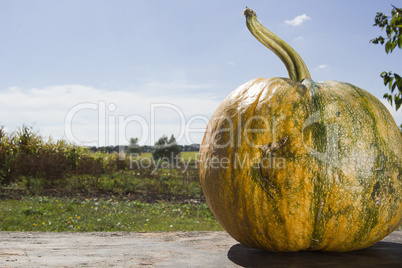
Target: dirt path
[{"x": 175, "y": 249}]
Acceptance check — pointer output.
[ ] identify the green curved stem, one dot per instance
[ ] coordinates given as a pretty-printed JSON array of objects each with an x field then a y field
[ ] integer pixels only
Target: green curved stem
[{"x": 295, "y": 65}]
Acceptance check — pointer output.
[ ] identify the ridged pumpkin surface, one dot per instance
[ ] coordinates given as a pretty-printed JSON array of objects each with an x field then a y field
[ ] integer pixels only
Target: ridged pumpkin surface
[{"x": 288, "y": 166}]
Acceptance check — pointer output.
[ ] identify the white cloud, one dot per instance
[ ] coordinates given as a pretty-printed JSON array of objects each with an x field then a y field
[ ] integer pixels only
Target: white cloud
[
  {"x": 104, "y": 117},
  {"x": 322, "y": 66},
  {"x": 299, "y": 38},
  {"x": 298, "y": 20}
]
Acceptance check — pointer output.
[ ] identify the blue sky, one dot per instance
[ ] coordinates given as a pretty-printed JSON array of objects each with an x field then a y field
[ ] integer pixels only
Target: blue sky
[{"x": 99, "y": 72}]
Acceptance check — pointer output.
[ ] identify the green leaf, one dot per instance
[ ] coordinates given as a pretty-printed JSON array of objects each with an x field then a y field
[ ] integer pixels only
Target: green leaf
[
  {"x": 389, "y": 30},
  {"x": 388, "y": 98},
  {"x": 392, "y": 86},
  {"x": 394, "y": 43},
  {"x": 377, "y": 40},
  {"x": 398, "y": 82},
  {"x": 398, "y": 102},
  {"x": 387, "y": 47},
  {"x": 380, "y": 20},
  {"x": 396, "y": 22},
  {"x": 387, "y": 77}
]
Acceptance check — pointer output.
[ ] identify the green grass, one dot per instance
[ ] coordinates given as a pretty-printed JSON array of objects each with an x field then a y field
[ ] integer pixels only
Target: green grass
[
  {"x": 92, "y": 215},
  {"x": 171, "y": 183},
  {"x": 185, "y": 156}
]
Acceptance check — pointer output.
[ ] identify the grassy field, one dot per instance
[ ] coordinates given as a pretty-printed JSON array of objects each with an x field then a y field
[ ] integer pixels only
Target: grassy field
[
  {"x": 93, "y": 215},
  {"x": 139, "y": 200},
  {"x": 185, "y": 156},
  {"x": 55, "y": 186}
]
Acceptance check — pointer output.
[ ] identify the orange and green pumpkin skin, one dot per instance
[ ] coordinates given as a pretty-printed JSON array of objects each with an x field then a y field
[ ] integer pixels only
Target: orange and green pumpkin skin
[{"x": 289, "y": 166}]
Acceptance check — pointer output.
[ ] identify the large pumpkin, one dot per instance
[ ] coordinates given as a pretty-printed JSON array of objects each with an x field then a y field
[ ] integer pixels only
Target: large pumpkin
[{"x": 293, "y": 164}]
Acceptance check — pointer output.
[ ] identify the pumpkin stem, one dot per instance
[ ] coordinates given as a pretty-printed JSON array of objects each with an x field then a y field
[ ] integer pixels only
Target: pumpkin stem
[{"x": 295, "y": 65}]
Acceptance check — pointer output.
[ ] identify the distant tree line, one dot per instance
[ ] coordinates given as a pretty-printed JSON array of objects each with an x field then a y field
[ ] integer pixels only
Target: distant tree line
[{"x": 163, "y": 144}]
